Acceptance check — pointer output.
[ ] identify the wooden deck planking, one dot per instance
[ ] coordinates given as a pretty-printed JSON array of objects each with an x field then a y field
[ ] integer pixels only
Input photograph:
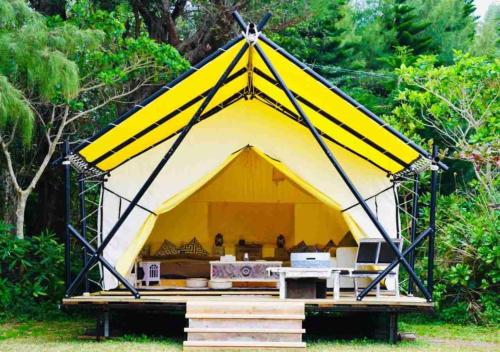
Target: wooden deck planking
[{"x": 173, "y": 297}]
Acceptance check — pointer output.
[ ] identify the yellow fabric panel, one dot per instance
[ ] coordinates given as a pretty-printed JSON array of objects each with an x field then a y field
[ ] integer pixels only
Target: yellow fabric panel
[
  {"x": 330, "y": 128},
  {"x": 252, "y": 177},
  {"x": 316, "y": 224},
  {"x": 312, "y": 90},
  {"x": 171, "y": 126},
  {"x": 181, "y": 93},
  {"x": 253, "y": 222},
  {"x": 355, "y": 230},
  {"x": 180, "y": 225},
  {"x": 124, "y": 263}
]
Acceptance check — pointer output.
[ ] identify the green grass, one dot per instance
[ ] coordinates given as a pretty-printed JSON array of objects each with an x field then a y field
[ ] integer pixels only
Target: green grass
[{"x": 62, "y": 335}]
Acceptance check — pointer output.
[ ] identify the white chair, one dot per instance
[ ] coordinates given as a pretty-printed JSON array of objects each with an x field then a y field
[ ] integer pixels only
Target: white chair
[
  {"x": 374, "y": 252},
  {"x": 151, "y": 272}
]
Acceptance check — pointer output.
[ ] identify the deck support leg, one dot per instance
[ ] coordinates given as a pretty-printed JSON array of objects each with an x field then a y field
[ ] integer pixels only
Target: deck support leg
[
  {"x": 67, "y": 215},
  {"x": 413, "y": 230},
  {"x": 393, "y": 328},
  {"x": 432, "y": 220},
  {"x": 106, "y": 324}
]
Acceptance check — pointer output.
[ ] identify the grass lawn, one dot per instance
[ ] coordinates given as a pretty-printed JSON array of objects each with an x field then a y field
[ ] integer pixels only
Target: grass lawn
[{"x": 62, "y": 335}]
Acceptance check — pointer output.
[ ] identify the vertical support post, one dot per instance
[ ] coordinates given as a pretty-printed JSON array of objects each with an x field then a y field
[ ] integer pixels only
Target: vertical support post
[
  {"x": 393, "y": 327},
  {"x": 413, "y": 230},
  {"x": 67, "y": 215},
  {"x": 106, "y": 324},
  {"x": 83, "y": 225},
  {"x": 432, "y": 220}
]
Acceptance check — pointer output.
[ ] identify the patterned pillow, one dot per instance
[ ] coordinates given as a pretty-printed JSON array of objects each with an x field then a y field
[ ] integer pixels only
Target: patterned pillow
[
  {"x": 167, "y": 248},
  {"x": 193, "y": 247}
]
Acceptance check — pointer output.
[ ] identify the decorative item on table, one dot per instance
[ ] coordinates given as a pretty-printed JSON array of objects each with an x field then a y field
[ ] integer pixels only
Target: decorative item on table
[
  {"x": 245, "y": 257},
  {"x": 220, "y": 284},
  {"x": 254, "y": 250},
  {"x": 228, "y": 258},
  {"x": 219, "y": 249},
  {"x": 197, "y": 282},
  {"x": 280, "y": 250}
]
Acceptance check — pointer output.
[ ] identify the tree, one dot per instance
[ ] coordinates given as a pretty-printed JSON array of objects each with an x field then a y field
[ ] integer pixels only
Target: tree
[
  {"x": 451, "y": 25},
  {"x": 487, "y": 40},
  {"x": 323, "y": 39},
  {"x": 408, "y": 28},
  {"x": 54, "y": 77},
  {"x": 458, "y": 104}
]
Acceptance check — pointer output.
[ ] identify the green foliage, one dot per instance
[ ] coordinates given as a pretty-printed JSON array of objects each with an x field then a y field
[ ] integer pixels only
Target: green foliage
[
  {"x": 468, "y": 258},
  {"x": 31, "y": 271},
  {"x": 457, "y": 106},
  {"x": 14, "y": 110},
  {"x": 34, "y": 62},
  {"x": 487, "y": 41},
  {"x": 451, "y": 25}
]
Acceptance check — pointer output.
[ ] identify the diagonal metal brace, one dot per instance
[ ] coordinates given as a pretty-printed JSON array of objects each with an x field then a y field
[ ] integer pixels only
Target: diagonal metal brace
[
  {"x": 388, "y": 269},
  {"x": 103, "y": 261},
  {"x": 342, "y": 173}
]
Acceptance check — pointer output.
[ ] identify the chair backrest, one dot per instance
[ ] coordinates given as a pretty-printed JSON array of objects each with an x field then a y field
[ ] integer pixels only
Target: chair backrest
[{"x": 375, "y": 251}]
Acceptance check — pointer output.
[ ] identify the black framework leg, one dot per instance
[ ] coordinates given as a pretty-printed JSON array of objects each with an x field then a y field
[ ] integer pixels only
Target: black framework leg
[
  {"x": 83, "y": 225},
  {"x": 344, "y": 177},
  {"x": 393, "y": 328},
  {"x": 67, "y": 215},
  {"x": 432, "y": 220},
  {"x": 97, "y": 256},
  {"x": 413, "y": 230}
]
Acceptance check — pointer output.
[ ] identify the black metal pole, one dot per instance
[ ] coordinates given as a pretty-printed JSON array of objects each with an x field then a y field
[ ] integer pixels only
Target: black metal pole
[
  {"x": 413, "y": 230},
  {"x": 432, "y": 219},
  {"x": 83, "y": 225},
  {"x": 341, "y": 171},
  {"x": 159, "y": 167},
  {"x": 67, "y": 215}
]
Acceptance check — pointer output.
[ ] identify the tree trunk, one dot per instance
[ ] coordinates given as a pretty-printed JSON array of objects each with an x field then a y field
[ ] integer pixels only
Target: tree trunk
[{"x": 21, "y": 200}]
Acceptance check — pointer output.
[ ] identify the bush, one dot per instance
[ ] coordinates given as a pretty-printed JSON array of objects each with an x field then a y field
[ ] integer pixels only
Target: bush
[
  {"x": 468, "y": 259},
  {"x": 31, "y": 274}
]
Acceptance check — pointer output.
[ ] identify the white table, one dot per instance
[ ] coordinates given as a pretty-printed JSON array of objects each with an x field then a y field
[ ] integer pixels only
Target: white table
[{"x": 318, "y": 273}]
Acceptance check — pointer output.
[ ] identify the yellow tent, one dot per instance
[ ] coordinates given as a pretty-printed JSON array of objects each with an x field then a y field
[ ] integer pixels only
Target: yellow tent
[{"x": 249, "y": 108}]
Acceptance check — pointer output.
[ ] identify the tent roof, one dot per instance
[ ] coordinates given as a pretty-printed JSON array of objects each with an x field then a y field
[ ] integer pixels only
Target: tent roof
[{"x": 336, "y": 116}]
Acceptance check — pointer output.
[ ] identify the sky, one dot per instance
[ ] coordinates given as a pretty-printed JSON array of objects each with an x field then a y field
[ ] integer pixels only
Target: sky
[{"x": 482, "y": 6}]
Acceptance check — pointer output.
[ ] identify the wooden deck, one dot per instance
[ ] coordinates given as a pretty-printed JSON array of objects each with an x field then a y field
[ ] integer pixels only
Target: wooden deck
[{"x": 175, "y": 299}]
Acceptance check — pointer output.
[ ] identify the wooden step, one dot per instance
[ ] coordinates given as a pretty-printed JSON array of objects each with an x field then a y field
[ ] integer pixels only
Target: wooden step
[
  {"x": 232, "y": 307},
  {"x": 246, "y": 323},
  {"x": 245, "y": 316},
  {"x": 249, "y": 325},
  {"x": 238, "y": 344},
  {"x": 251, "y": 330},
  {"x": 244, "y": 337}
]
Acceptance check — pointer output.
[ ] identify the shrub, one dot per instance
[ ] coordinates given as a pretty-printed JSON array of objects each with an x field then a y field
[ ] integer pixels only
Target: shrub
[
  {"x": 31, "y": 273},
  {"x": 468, "y": 259}
]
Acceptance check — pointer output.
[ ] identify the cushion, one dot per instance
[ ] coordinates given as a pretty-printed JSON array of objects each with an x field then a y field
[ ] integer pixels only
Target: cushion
[
  {"x": 193, "y": 247},
  {"x": 167, "y": 248},
  {"x": 302, "y": 247}
]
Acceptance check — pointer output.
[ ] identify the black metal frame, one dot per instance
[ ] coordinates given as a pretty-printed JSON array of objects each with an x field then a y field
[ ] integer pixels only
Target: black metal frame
[{"x": 96, "y": 253}]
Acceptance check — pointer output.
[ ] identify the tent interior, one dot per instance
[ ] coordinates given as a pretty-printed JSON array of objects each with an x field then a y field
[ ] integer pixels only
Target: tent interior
[{"x": 252, "y": 200}]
